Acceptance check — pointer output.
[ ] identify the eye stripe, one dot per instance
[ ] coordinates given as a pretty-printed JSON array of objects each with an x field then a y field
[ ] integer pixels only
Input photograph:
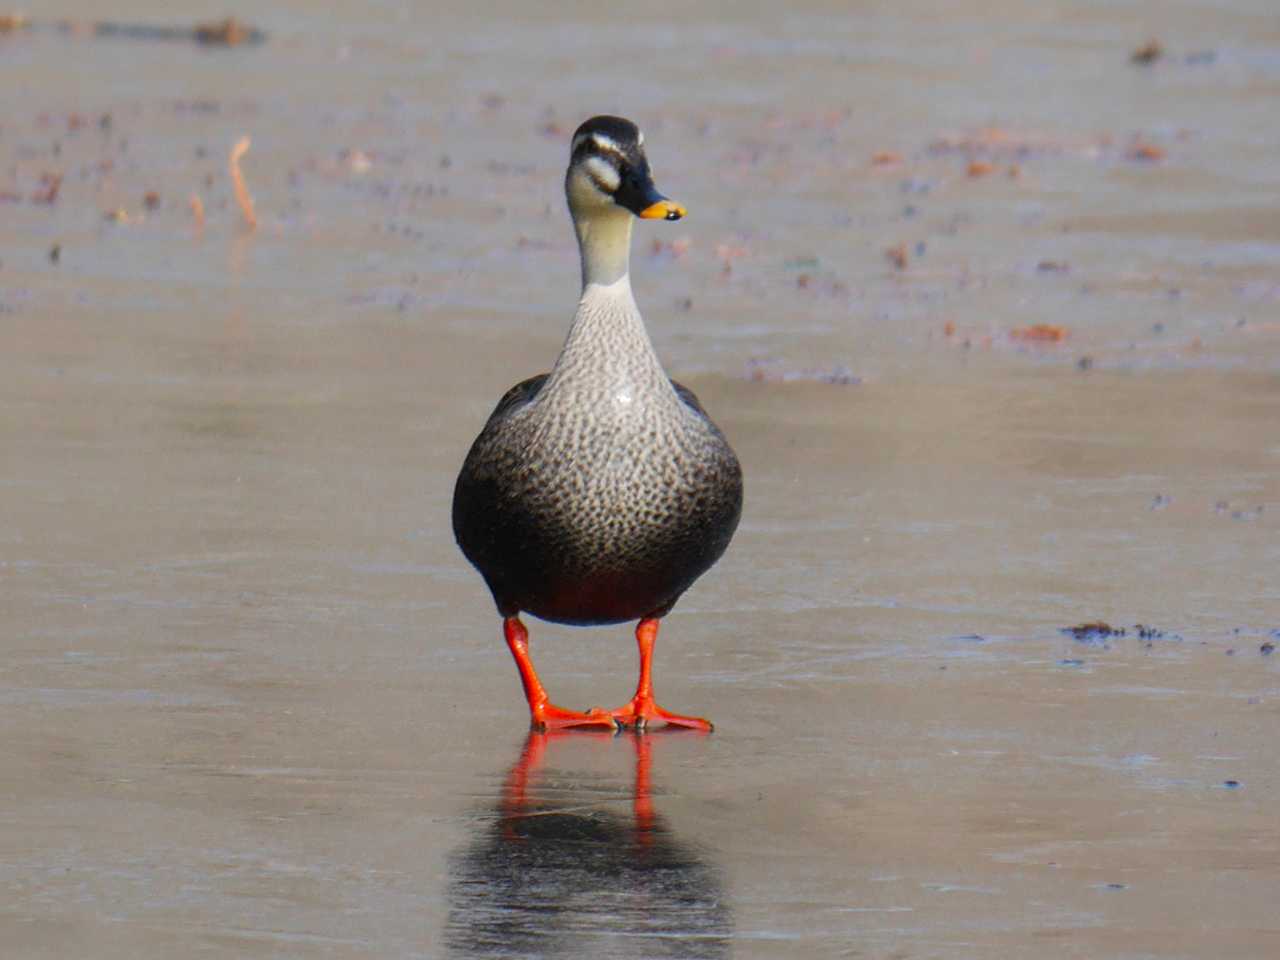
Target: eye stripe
[
  {"x": 596, "y": 145},
  {"x": 605, "y": 143}
]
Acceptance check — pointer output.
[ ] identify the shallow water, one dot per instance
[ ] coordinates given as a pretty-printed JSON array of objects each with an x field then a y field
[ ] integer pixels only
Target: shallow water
[{"x": 255, "y": 703}]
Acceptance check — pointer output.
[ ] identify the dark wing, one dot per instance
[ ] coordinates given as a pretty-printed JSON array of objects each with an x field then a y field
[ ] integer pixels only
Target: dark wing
[
  {"x": 484, "y": 539},
  {"x": 518, "y": 396},
  {"x": 690, "y": 399}
]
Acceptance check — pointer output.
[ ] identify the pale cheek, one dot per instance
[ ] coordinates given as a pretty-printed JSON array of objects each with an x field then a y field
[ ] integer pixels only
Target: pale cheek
[
  {"x": 604, "y": 172},
  {"x": 583, "y": 194}
]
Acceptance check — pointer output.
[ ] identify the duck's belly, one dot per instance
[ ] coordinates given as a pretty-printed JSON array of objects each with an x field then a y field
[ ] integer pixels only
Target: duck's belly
[{"x": 603, "y": 534}]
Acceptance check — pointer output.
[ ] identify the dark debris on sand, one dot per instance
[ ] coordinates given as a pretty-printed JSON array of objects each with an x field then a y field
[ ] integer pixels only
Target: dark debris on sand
[
  {"x": 1093, "y": 631},
  {"x": 228, "y": 32},
  {"x": 1098, "y": 633},
  {"x": 1148, "y": 53}
]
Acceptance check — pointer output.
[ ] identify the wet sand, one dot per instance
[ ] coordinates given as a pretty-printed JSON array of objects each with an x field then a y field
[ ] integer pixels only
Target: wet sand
[{"x": 256, "y": 704}]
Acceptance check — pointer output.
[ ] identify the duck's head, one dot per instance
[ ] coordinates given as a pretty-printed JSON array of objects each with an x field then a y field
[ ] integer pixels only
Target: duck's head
[{"x": 608, "y": 171}]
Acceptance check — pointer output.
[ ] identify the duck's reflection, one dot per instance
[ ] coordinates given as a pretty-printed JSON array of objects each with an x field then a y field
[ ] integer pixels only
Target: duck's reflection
[{"x": 573, "y": 869}]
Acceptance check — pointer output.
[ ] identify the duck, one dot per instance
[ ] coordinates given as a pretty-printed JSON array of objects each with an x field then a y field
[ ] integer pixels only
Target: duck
[{"x": 598, "y": 492}]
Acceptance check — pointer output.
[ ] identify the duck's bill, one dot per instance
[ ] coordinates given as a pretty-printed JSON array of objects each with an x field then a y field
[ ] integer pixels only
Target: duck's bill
[
  {"x": 662, "y": 209},
  {"x": 638, "y": 194}
]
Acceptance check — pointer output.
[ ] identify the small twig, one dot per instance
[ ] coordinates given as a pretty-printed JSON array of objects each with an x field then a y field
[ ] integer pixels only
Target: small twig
[
  {"x": 237, "y": 180},
  {"x": 197, "y": 210}
]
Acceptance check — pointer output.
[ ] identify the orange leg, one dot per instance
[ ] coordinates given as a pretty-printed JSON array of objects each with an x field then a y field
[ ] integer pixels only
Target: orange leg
[
  {"x": 543, "y": 714},
  {"x": 642, "y": 710}
]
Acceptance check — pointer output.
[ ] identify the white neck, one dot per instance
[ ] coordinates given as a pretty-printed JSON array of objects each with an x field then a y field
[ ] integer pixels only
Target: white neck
[
  {"x": 607, "y": 356},
  {"x": 604, "y": 242}
]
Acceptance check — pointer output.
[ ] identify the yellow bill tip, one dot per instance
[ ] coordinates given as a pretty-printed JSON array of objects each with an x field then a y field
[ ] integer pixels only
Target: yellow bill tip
[{"x": 663, "y": 210}]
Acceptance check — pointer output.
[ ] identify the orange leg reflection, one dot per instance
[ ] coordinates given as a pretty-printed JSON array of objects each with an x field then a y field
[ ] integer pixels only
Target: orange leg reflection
[
  {"x": 642, "y": 801},
  {"x": 519, "y": 799},
  {"x": 642, "y": 709},
  {"x": 567, "y": 860}
]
